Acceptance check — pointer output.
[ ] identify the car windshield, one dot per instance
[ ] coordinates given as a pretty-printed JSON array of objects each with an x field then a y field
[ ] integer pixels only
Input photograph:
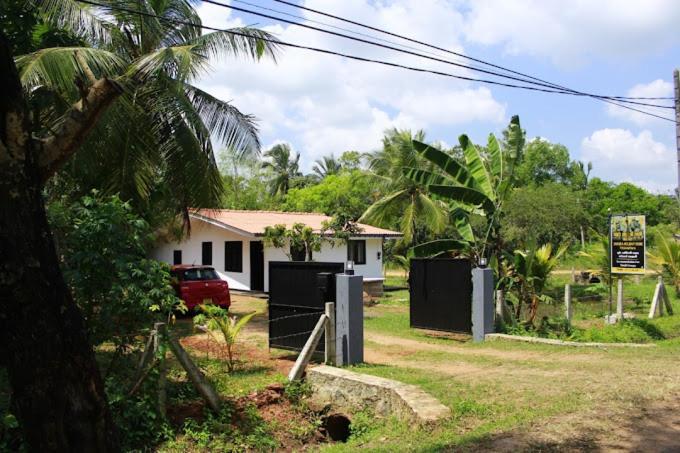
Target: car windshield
[{"x": 204, "y": 273}]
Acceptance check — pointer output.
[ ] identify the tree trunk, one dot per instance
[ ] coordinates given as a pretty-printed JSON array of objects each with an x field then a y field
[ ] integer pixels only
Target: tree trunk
[{"x": 57, "y": 392}]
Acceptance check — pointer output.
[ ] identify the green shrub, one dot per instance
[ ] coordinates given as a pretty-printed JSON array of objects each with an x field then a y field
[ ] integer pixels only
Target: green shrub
[
  {"x": 295, "y": 391},
  {"x": 102, "y": 246},
  {"x": 363, "y": 422},
  {"x": 626, "y": 331}
]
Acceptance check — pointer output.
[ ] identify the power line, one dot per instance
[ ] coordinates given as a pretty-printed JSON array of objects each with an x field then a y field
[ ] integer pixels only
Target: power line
[
  {"x": 437, "y": 59},
  {"x": 326, "y": 24},
  {"x": 358, "y": 33},
  {"x": 352, "y": 57},
  {"x": 422, "y": 43}
]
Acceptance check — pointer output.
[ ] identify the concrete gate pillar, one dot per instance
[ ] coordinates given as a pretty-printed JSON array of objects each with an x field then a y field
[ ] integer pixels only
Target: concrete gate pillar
[
  {"x": 482, "y": 303},
  {"x": 349, "y": 319}
]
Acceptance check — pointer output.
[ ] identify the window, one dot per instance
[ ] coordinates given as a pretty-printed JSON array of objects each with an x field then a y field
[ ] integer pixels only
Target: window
[
  {"x": 206, "y": 273},
  {"x": 206, "y": 253},
  {"x": 356, "y": 251},
  {"x": 233, "y": 256},
  {"x": 176, "y": 257},
  {"x": 297, "y": 253}
]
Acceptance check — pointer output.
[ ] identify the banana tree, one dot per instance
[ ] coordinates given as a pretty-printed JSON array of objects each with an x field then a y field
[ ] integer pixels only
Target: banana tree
[{"x": 479, "y": 186}]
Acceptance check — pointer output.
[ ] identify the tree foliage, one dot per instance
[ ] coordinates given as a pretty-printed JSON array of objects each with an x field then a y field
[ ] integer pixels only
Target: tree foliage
[
  {"x": 102, "y": 245},
  {"x": 552, "y": 213},
  {"x": 346, "y": 192}
]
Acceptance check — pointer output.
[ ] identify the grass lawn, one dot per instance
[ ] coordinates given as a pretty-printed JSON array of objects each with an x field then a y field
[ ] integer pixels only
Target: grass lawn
[
  {"x": 512, "y": 396},
  {"x": 504, "y": 396}
]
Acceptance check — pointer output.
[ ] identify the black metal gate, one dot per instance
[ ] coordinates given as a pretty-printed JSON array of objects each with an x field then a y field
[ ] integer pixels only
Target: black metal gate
[
  {"x": 298, "y": 291},
  {"x": 441, "y": 294}
]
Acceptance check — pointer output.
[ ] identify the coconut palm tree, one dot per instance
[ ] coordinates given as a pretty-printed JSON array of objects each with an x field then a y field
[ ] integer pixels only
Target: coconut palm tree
[
  {"x": 157, "y": 134},
  {"x": 122, "y": 105},
  {"x": 327, "y": 165},
  {"x": 284, "y": 166},
  {"x": 402, "y": 198}
]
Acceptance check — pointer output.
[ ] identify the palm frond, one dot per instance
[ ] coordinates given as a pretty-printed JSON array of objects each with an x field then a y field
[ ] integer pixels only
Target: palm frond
[
  {"x": 438, "y": 247},
  {"x": 79, "y": 18},
  {"x": 192, "y": 176},
  {"x": 381, "y": 211},
  {"x": 431, "y": 213},
  {"x": 235, "y": 130},
  {"x": 237, "y": 42},
  {"x": 57, "y": 67},
  {"x": 178, "y": 62}
]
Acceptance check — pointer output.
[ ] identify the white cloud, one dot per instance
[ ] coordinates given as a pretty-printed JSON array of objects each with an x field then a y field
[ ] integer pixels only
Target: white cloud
[
  {"x": 657, "y": 88},
  {"x": 326, "y": 104},
  {"x": 619, "y": 155},
  {"x": 572, "y": 32}
]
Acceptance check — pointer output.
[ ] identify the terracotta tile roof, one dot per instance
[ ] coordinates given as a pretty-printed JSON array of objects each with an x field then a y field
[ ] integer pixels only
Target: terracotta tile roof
[{"x": 254, "y": 222}]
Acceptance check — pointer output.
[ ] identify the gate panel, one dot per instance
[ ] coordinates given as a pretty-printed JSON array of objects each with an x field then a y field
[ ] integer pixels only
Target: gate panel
[
  {"x": 297, "y": 297},
  {"x": 441, "y": 294}
]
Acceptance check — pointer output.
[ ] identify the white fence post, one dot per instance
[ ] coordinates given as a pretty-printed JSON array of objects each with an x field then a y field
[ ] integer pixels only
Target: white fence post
[
  {"x": 657, "y": 301},
  {"x": 330, "y": 334},
  {"x": 568, "y": 309},
  {"x": 307, "y": 351},
  {"x": 619, "y": 300}
]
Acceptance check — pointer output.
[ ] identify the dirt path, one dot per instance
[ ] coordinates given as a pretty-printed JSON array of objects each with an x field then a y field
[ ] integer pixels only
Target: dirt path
[
  {"x": 653, "y": 428},
  {"x": 410, "y": 344}
]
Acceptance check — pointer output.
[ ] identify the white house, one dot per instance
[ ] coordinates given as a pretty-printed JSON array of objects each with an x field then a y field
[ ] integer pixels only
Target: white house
[{"x": 231, "y": 242}]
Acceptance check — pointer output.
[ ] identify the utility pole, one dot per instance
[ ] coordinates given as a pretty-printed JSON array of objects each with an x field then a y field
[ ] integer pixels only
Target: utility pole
[{"x": 676, "y": 82}]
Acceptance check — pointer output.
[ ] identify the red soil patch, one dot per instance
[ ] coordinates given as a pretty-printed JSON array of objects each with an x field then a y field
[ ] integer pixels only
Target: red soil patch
[
  {"x": 275, "y": 410},
  {"x": 206, "y": 345}
]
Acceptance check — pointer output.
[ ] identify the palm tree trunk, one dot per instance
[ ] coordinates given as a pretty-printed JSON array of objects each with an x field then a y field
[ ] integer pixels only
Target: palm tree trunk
[{"x": 57, "y": 392}]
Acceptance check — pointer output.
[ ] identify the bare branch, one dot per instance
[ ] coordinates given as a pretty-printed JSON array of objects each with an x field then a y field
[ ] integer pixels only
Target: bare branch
[{"x": 82, "y": 117}]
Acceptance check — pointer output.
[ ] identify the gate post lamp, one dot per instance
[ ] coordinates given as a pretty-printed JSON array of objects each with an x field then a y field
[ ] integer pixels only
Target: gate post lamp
[{"x": 349, "y": 268}]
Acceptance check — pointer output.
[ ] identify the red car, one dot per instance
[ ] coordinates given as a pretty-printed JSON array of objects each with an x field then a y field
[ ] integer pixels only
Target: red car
[{"x": 197, "y": 285}]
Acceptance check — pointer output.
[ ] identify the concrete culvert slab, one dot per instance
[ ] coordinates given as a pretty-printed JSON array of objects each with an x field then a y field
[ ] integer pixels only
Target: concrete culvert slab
[
  {"x": 337, "y": 426},
  {"x": 345, "y": 390}
]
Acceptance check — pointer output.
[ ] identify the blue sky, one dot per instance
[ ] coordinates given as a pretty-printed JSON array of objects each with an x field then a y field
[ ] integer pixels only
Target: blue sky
[{"x": 324, "y": 104}]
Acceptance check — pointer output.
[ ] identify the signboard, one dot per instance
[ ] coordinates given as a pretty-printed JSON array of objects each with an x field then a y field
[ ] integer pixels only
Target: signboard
[{"x": 627, "y": 239}]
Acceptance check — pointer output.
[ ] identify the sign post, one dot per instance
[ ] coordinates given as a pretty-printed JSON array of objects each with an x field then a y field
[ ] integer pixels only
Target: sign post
[{"x": 627, "y": 246}]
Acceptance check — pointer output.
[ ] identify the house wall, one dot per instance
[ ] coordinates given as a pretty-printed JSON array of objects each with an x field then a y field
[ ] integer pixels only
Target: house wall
[
  {"x": 337, "y": 254},
  {"x": 191, "y": 251},
  {"x": 203, "y": 232}
]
